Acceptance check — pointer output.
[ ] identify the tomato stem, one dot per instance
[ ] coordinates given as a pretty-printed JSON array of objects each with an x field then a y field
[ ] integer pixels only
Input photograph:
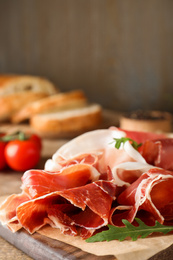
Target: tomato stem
[{"x": 15, "y": 136}]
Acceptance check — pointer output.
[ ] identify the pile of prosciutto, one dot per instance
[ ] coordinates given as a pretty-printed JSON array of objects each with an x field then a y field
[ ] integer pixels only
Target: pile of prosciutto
[{"x": 89, "y": 183}]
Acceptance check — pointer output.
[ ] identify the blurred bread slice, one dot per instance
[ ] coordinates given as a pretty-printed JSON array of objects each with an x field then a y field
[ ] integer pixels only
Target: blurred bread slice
[
  {"x": 12, "y": 103},
  {"x": 67, "y": 123},
  {"x": 12, "y": 84},
  {"x": 58, "y": 102},
  {"x": 18, "y": 90}
]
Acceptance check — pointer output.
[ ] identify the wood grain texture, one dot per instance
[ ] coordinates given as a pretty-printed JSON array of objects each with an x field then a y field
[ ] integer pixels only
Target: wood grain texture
[
  {"x": 119, "y": 52},
  {"x": 166, "y": 254},
  {"x": 43, "y": 248},
  {"x": 9, "y": 252}
]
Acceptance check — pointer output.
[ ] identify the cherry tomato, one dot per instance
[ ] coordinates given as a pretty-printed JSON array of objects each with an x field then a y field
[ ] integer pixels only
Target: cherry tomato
[
  {"x": 22, "y": 155},
  {"x": 2, "y": 155},
  {"x": 2, "y": 134},
  {"x": 35, "y": 138}
]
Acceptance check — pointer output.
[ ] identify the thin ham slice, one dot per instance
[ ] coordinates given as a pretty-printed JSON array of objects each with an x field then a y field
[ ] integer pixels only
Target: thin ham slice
[
  {"x": 90, "y": 142},
  {"x": 94, "y": 142},
  {"x": 36, "y": 183},
  {"x": 159, "y": 152},
  {"x": 141, "y": 137},
  {"x": 151, "y": 193},
  {"x": 39, "y": 182},
  {"x": 68, "y": 209},
  {"x": 101, "y": 146},
  {"x": 128, "y": 172},
  {"x": 90, "y": 159},
  {"x": 8, "y": 210}
]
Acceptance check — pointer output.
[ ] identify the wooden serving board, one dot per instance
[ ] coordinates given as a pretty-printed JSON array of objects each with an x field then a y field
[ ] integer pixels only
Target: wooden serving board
[
  {"x": 44, "y": 248},
  {"x": 40, "y": 247}
]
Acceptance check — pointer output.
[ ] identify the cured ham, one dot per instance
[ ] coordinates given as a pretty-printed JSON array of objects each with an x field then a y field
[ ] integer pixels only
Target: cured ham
[
  {"x": 86, "y": 207},
  {"x": 159, "y": 152},
  {"x": 89, "y": 183},
  {"x": 128, "y": 172},
  {"x": 90, "y": 142},
  {"x": 91, "y": 159},
  {"x": 151, "y": 193},
  {"x": 100, "y": 143},
  {"x": 141, "y": 137},
  {"x": 39, "y": 182},
  {"x": 8, "y": 210}
]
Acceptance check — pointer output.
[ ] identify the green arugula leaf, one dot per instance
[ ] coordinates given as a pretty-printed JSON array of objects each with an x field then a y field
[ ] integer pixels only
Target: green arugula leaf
[
  {"x": 121, "y": 233},
  {"x": 119, "y": 141}
]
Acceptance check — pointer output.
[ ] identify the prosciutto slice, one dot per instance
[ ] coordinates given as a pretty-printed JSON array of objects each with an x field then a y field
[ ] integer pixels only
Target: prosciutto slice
[
  {"x": 86, "y": 207},
  {"x": 101, "y": 146},
  {"x": 94, "y": 142},
  {"x": 159, "y": 152},
  {"x": 8, "y": 210},
  {"x": 128, "y": 172},
  {"x": 39, "y": 182},
  {"x": 91, "y": 142},
  {"x": 151, "y": 194},
  {"x": 91, "y": 159},
  {"x": 140, "y": 137}
]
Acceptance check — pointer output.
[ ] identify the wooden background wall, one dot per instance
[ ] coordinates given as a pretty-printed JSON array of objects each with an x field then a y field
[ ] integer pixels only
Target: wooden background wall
[{"x": 120, "y": 52}]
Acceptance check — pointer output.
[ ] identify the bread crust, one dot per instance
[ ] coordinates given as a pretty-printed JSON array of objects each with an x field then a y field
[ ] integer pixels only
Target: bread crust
[
  {"x": 12, "y": 84},
  {"x": 63, "y": 125},
  {"x": 58, "y": 102}
]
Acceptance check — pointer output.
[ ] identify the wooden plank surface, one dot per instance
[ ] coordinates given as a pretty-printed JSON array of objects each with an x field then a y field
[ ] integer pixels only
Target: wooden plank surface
[
  {"x": 43, "y": 248},
  {"x": 9, "y": 252}
]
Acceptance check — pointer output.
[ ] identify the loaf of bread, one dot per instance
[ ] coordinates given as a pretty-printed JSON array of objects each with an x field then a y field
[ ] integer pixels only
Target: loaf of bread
[
  {"x": 68, "y": 122},
  {"x": 57, "y": 102},
  {"x": 16, "y": 91}
]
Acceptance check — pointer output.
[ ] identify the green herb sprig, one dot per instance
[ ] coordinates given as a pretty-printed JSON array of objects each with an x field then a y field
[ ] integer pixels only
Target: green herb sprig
[
  {"x": 121, "y": 233},
  {"x": 123, "y": 140}
]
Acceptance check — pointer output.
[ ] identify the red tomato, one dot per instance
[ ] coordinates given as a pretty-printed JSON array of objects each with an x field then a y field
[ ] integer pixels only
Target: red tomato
[
  {"x": 2, "y": 134},
  {"x": 2, "y": 156},
  {"x": 35, "y": 138},
  {"x": 22, "y": 155}
]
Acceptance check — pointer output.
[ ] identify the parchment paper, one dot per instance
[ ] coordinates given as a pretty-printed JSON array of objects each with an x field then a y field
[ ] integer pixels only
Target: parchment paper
[{"x": 141, "y": 249}]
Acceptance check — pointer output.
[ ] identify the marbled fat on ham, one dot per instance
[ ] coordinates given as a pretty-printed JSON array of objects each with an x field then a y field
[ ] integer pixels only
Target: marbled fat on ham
[{"x": 88, "y": 183}]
